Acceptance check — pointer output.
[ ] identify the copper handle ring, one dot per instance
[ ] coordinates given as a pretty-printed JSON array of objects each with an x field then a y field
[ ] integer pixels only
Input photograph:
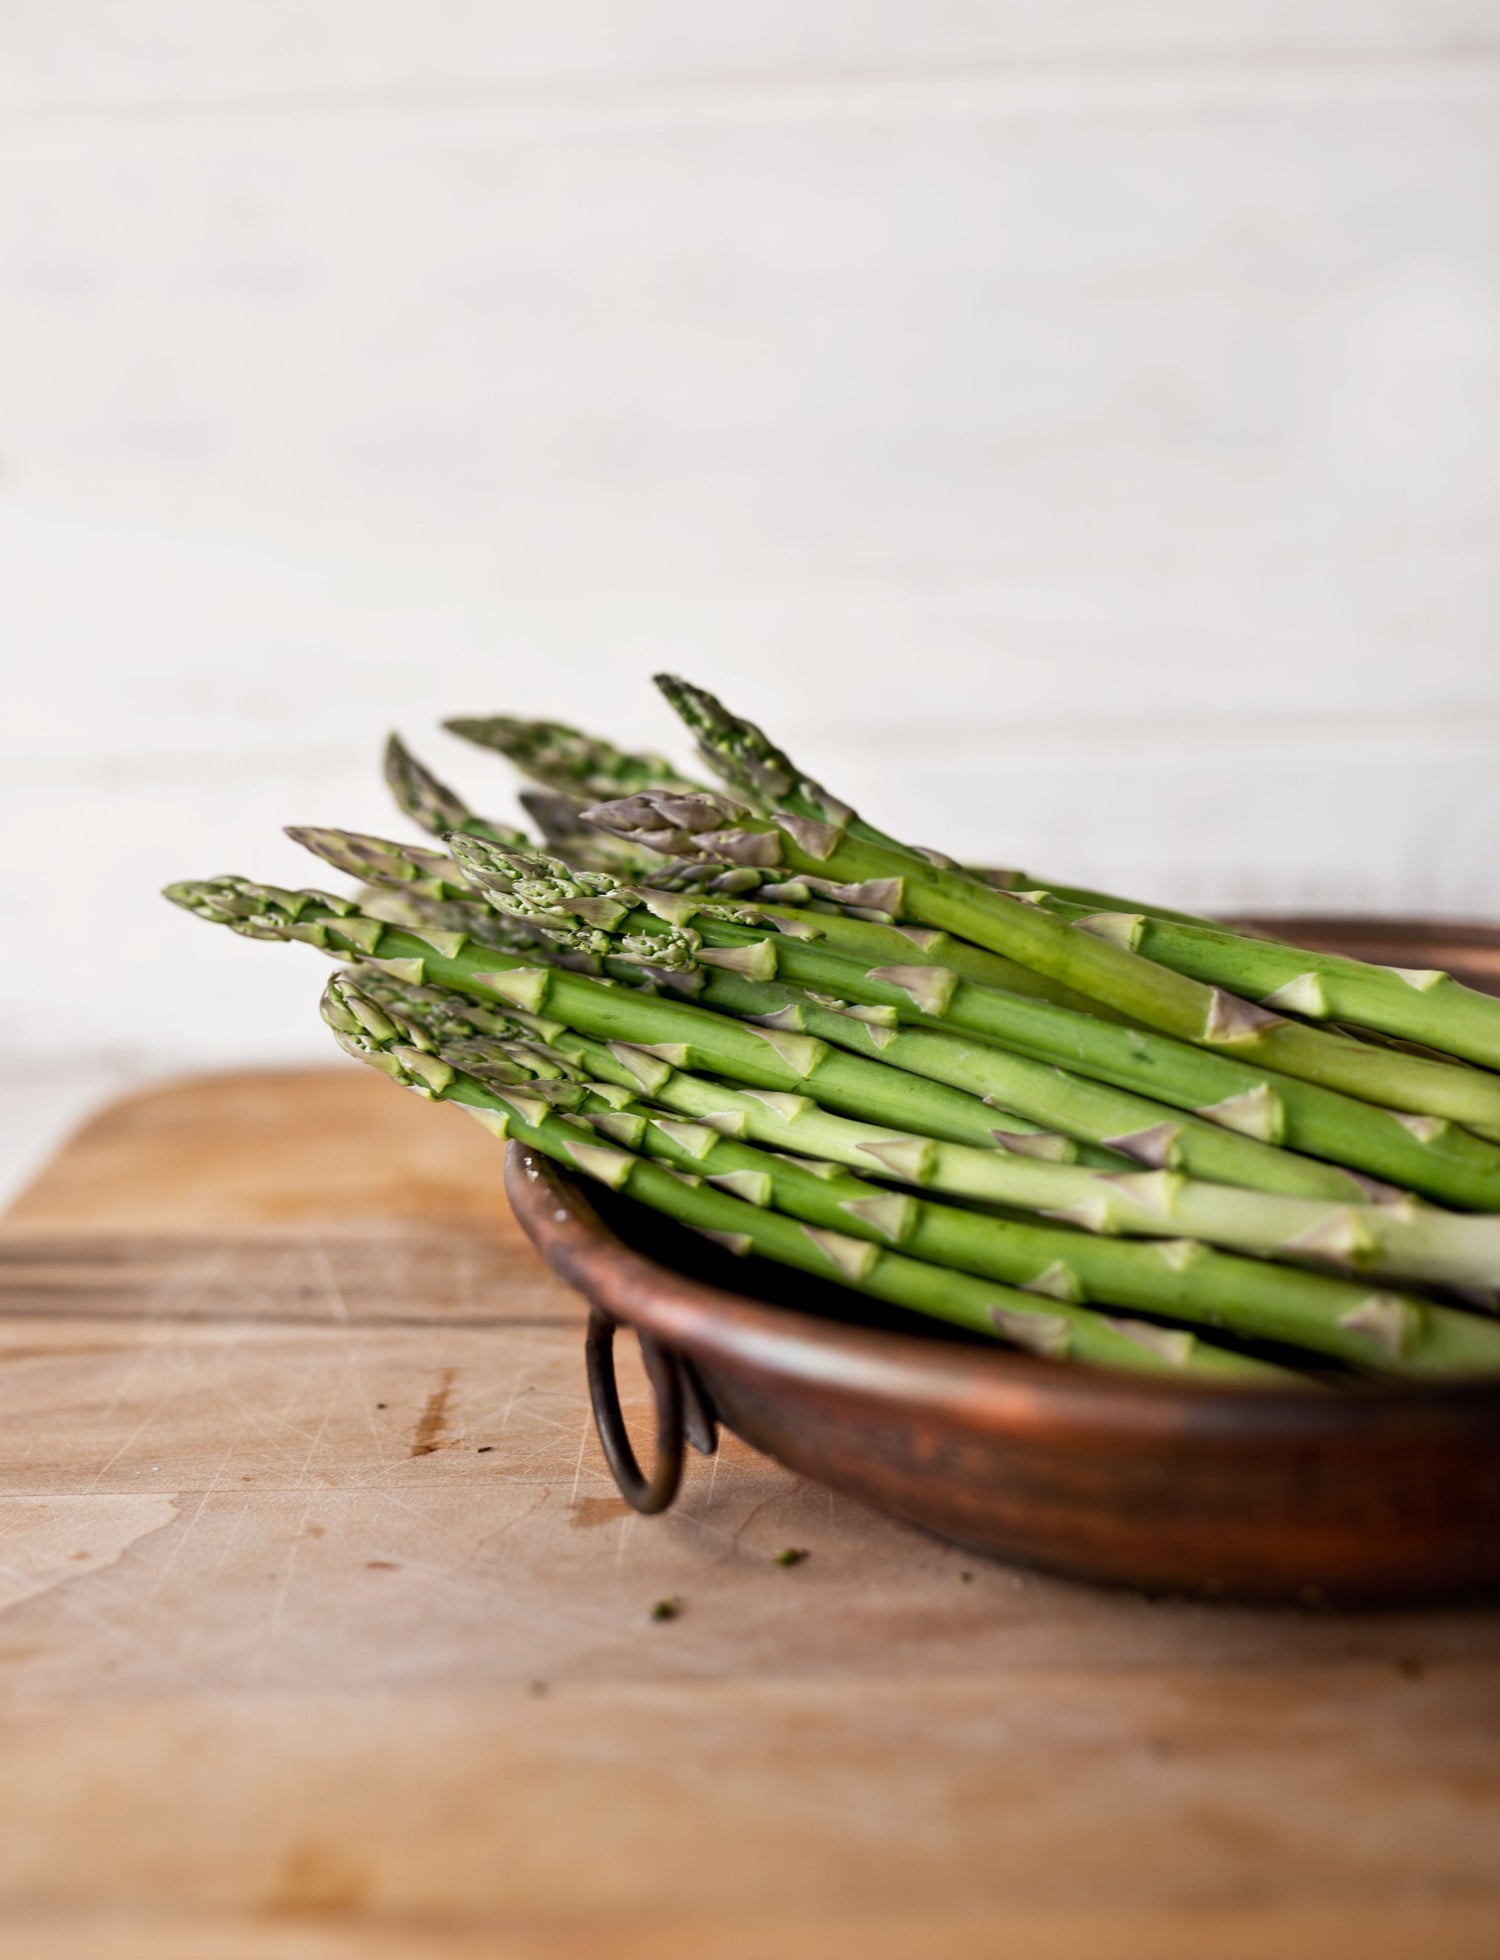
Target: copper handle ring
[{"x": 681, "y": 1413}]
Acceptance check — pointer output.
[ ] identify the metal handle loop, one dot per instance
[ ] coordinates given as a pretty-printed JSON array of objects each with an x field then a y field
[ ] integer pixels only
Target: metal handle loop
[
  {"x": 647, "y": 1495},
  {"x": 699, "y": 1423}
]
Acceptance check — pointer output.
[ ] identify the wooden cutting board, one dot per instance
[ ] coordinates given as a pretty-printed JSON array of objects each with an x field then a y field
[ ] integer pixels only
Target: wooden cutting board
[{"x": 323, "y": 1633}]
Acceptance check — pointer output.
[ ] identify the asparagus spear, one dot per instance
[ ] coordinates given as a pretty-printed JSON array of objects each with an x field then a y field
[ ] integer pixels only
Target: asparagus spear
[
  {"x": 377, "y": 860},
  {"x": 1058, "y": 1329},
  {"x": 453, "y": 1014},
  {"x": 557, "y": 813},
  {"x": 1418, "y": 1005},
  {"x": 718, "y": 827},
  {"x": 447, "y": 954},
  {"x": 561, "y": 757},
  {"x": 440, "y": 811},
  {"x": 1091, "y": 1113},
  {"x": 381, "y": 861},
  {"x": 1023, "y": 882},
  {"x": 571, "y": 770},
  {"x": 1038, "y": 1110},
  {"x": 874, "y": 943},
  {"x": 420, "y": 796},
  {"x": 460, "y": 921},
  {"x": 1396, "y": 1237},
  {"x": 558, "y": 817},
  {"x": 421, "y": 890},
  {"x": 742, "y": 755},
  {"x": 576, "y": 769},
  {"x": 686, "y": 1034},
  {"x": 1432, "y": 1157},
  {"x": 1183, "y": 1280},
  {"x": 565, "y": 761},
  {"x": 783, "y": 909}
]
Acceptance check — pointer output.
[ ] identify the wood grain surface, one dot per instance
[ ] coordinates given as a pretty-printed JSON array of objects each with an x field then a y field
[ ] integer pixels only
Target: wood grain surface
[{"x": 323, "y": 1633}]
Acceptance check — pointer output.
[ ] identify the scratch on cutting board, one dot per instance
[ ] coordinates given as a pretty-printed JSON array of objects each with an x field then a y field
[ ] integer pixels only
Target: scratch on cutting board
[
  {"x": 38, "y": 1536},
  {"x": 428, "y": 1434}
]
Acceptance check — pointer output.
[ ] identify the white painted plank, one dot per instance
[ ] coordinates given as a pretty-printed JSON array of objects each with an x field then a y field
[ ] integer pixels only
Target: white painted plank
[
  {"x": 1212, "y": 399},
  {"x": 1104, "y": 480},
  {"x": 156, "y": 55}
]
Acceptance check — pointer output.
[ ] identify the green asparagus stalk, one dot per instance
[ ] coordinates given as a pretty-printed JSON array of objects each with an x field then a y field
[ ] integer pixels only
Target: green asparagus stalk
[
  {"x": 741, "y": 754},
  {"x": 1149, "y": 1132},
  {"x": 1023, "y": 882},
  {"x": 717, "y": 827},
  {"x": 576, "y": 769},
  {"x": 783, "y": 909},
  {"x": 407, "y": 885},
  {"x": 561, "y": 757},
  {"x": 1058, "y": 1329},
  {"x": 1420, "y": 1005},
  {"x": 567, "y": 761},
  {"x": 558, "y": 818},
  {"x": 1432, "y": 1157},
  {"x": 462, "y": 920},
  {"x": 873, "y": 943},
  {"x": 1429, "y": 1156},
  {"x": 1397, "y": 1237},
  {"x": 377, "y": 860},
  {"x": 686, "y": 1035},
  {"x": 1098, "y": 1118},
  {"x": 788, "y": 1122},
  {"x": 1009, "y": 1131},
  {"x": 557, "y": 813},
  {"x": 681, "y": 1032},
  {"x": 745, "y": 758},
  {"x": 381, "y": 861},
  {"x": 1399, "y": 1333},
  {"x": 1094, "y": 1115},
  {"x": 430, "y": 803},
  {"x": 1386, "y": 1331}
]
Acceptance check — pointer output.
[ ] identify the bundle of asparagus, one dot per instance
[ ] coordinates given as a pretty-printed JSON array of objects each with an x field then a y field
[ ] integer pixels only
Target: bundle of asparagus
[{"x": 1082, "y": 1125}]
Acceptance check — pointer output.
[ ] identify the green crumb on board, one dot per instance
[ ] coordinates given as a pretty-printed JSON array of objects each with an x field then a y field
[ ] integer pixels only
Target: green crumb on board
[
  {"x": 792, "y": 1556},
  {"x": 667, "y": 1609}
]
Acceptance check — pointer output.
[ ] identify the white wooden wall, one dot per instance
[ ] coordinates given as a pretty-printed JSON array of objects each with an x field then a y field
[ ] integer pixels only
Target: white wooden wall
[{"x": 1075, "y": 425}]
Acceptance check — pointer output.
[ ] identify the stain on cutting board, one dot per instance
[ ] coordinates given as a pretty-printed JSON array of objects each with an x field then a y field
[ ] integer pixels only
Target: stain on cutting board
[{"x": 433, "y": 1421}]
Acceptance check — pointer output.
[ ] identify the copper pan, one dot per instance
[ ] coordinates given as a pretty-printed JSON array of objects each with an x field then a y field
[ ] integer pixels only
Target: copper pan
[{"x": 1389, "y": 1493}]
